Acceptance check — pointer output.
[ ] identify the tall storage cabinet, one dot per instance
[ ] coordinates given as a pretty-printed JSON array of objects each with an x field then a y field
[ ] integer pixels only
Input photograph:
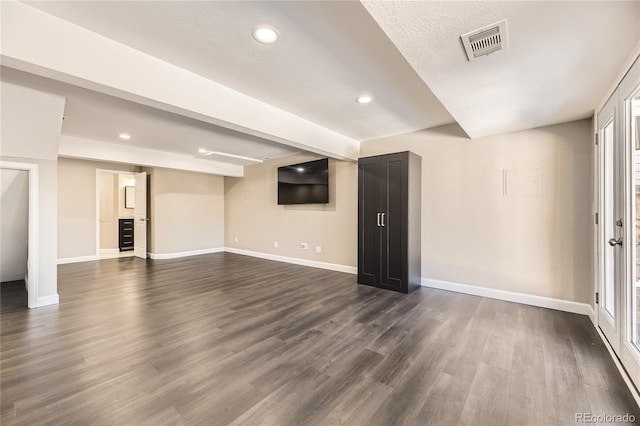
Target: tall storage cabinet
[{"x": 389, "y": 193}]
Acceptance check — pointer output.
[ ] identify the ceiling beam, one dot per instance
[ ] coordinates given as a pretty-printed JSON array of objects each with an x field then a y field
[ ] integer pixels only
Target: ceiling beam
[
  {"x": 42, "y": 44},
  {"x": 86, "y": 149}
]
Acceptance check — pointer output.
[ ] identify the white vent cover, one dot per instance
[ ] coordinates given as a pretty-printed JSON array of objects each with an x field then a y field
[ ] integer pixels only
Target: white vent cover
[{"x": 486, "y": 40}]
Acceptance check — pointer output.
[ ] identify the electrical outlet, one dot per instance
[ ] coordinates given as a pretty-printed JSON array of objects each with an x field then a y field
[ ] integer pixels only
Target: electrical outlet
[
  {"x": 318, "y": 249},
  {"x": 304, "y": 246},
  {"x": 275, "y": 244},
  {"x": 236, "y": 239}
]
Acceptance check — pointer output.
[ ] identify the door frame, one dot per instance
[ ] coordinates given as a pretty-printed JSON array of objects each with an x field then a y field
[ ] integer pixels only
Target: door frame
[
  {"x": 628, "y": 353},
  {"x": 32, "y": 250},
  {"x": 611, "y": 330},
  {"x": 626, "y": 357}
]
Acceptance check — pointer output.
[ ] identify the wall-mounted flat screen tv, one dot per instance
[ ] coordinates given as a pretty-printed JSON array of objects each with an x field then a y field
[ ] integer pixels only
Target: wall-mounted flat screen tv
[{"x": 304, "y": 183}]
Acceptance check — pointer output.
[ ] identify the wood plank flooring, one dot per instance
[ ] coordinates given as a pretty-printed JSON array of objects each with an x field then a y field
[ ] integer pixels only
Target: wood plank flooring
[{"x": 227, "y": 339}]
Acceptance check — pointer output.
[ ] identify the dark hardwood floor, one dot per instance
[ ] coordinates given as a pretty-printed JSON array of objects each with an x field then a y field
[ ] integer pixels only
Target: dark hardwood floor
[{"x": 226, "y": 339}]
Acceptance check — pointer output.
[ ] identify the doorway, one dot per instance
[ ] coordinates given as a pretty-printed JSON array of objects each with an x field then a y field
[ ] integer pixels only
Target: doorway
[
  {"x": 27, "y": 197},
  {"x": 618, "y": 127},
  {"x": 119, "y": 206}
]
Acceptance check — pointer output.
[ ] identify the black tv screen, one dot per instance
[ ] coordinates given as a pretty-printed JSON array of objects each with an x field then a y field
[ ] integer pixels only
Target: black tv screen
[{"x": 304, "y": 183}]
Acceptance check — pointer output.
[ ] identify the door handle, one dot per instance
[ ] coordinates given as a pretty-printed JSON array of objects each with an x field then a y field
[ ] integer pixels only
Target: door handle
[
  {"x": 613, "y": 242},
  {"x": 383, "y": 219},
  {"x": 378, "y": 219}
]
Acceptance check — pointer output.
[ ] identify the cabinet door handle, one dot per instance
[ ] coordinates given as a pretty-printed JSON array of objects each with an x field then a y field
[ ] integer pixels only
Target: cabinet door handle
[
  {"x": 378, "y": 219},
  {"x": 383, "y": 219}
]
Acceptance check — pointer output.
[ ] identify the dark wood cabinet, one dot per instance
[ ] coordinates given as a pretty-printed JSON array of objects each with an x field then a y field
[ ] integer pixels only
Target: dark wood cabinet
[
  {"x": 389, "y": 232},
  {"x": 125, "y": 234}
]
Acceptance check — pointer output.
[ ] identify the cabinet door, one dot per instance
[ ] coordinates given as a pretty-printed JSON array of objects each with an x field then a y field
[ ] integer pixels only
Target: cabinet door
[
  {"x": 394, "y": 186},
  {"x": 369, "y": 243}
]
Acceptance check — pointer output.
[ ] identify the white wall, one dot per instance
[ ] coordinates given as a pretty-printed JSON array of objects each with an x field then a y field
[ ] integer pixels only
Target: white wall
[
  {"x": 472, "y": 234},
  {"x": 31, "y": 122},
  {"x": 108, "y": 213},
  {"x": 30, "y": 127},
  {"x": 526, "y": 243},
  {"x": 14, "y": 224},
  {"x": 124, "y": 180},
  {"x": 186, "y": 211},
  {"x": 77, "y": 205},
  {"x": 253, "y": 215}
]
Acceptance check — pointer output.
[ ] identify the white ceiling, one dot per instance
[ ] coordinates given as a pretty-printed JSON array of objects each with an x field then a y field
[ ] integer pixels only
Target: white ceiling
[
  {"x": 562, "y": 58},
  {"x": 328, "y": 54},
  {"x": 91, "y": 115}
]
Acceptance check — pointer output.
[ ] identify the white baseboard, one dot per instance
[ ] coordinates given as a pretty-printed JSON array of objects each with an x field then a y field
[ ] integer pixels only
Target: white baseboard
[
  {"x": 509, "y": 296},
  {"x": 623, "y": 372},
  {"x": 295, "y": 261},
  {"x": 592, "y": 316},
  {"x": 176, "y": 255},
  {"x": 77, "y": 259},
  {"x": 53, "y": 299}
]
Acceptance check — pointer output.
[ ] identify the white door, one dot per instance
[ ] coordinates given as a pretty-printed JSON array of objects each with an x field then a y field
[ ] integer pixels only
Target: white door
[
  {"x": 140, "y": 217},
  {"x": 611, "y": 241},
  {"x": 619, "y": 231},
  {"x": 629, "y": 108}
]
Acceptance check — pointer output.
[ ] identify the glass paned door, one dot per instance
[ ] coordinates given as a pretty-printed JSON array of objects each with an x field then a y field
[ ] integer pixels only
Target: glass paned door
[
  {"x": 612, "y": 244},
  {"x": 633, "y": 111},
  {"x": 628, "y": 346}
]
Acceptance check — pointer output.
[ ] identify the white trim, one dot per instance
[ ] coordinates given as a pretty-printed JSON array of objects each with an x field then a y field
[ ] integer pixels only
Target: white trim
[
  {"x": 33, "y": 265},
  {"x": 66, "y": 260},
  {"x": 160, "y": 256},
  {"x": 53, "y": 299},
  {"x": 593, "y": 316},
  {"x": 635, "y": 54},
  {"x": 510, "y": 296},
  {"x": 623, "y": 372},
  {"x": 295, "y": 261}
]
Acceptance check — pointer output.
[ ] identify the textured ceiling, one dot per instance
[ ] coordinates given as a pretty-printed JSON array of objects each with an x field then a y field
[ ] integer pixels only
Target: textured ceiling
[
  {"x": 561, "y": 59},
  {"x": 327, "y": 55}
]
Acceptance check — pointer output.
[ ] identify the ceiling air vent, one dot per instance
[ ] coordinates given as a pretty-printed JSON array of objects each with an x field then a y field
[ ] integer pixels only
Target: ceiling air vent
[{"x": 486, "y": 40}]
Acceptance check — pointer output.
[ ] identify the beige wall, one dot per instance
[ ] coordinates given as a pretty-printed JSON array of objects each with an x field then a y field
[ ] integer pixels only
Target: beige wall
[
  {"x": 108, "y": 192},
  {"x": 186, "y": 211},
  {"x": 253, "y": 215},
  {"x": 77, "y": 205},
  {"x": 473, "y": 234}
]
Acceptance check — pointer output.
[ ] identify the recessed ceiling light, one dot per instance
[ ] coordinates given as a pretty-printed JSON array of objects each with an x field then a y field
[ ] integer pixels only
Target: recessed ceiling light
[
  {"x": 124, "y": 136},
  {"x": 300, "y": 169},
  {"x": 265, "y": 34},
  {"x": 364, "y": 99},
  {"x": 202, "y": 150}
]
